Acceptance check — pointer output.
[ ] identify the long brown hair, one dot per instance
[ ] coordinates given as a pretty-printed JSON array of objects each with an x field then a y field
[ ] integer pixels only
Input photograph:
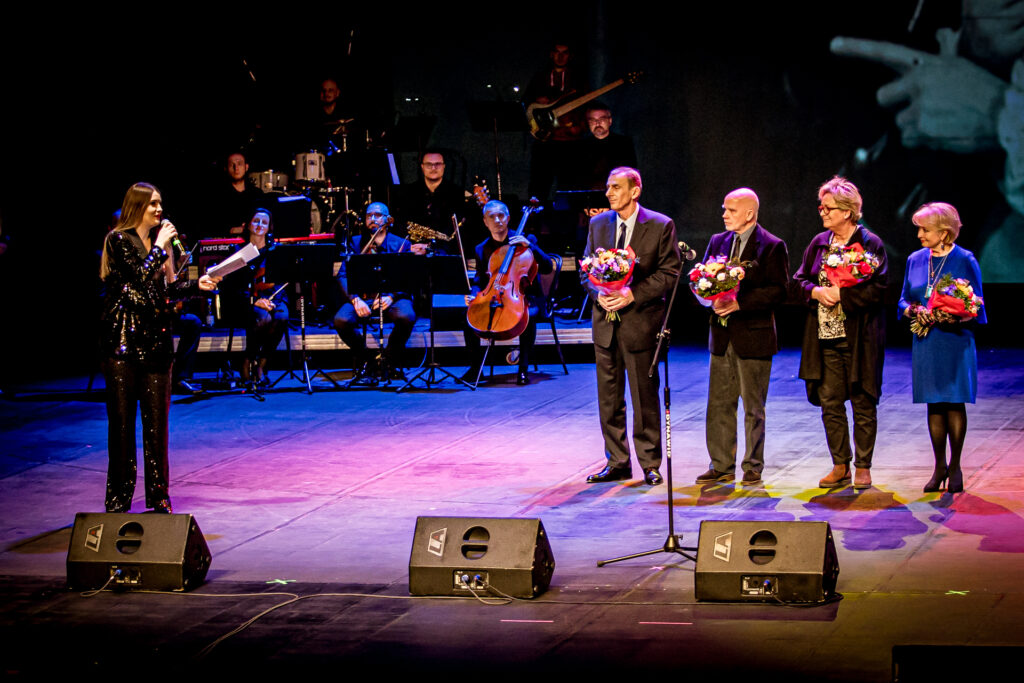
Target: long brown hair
[{"x": 133, "y": 208}]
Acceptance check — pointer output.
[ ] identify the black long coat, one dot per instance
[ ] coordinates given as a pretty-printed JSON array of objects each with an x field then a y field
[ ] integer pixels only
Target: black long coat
[{"x": 865, "y": 317}]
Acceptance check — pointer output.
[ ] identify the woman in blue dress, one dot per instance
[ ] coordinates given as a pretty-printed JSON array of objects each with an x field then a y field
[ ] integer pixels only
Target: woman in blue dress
[{"x": 945, "y": 362}]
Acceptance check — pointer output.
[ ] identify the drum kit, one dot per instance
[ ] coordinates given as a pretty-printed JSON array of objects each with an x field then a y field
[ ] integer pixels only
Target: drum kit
[{"x": 332, "y": 178}]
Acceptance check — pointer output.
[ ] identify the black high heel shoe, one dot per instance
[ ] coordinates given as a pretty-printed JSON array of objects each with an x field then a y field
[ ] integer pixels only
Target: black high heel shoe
[
  {"x": 936, "y": 482},
  {"x": 956, "y": 481}
]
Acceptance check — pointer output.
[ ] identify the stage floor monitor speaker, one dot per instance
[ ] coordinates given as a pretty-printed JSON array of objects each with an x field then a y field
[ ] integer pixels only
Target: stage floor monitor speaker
[
  {"x": 765, "y": 562},
  {"x": 451, "y": 555},
  {"x": 136, "y": 552}
]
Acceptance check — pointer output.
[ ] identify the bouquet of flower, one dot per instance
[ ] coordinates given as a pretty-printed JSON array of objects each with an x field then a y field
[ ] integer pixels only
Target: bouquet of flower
[
  {"x": 848, "y": 265},
  {"x": 609, "y": 270},
  {"x": 717, "y": 278},
  {"x": 952, "y": 300}
]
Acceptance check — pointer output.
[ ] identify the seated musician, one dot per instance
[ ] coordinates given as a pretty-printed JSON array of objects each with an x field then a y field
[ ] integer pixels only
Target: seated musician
[
  {"x": 256, "y": 302},
  {"x": 496, "y": 220},
  {"x": 357, "y": 308},
  {"x": 234, "y": 201},
  {"x": 431, "y": 200}
]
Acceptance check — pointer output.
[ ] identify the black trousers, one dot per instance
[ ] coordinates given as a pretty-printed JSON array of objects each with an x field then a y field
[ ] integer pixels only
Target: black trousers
[
  {"x": 131, "y": 385},
  {"x": 188, "y": 328},
  {"x": 615, "y": 366},
  {"x": 400, "y": 313},
  {"x": 264, "y": 331},
  {"x": 835, "y": 390}
]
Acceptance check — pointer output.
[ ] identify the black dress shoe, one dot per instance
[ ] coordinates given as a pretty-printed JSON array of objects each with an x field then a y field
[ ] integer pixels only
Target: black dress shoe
[
  {"x": 610, "y": 474},
  {"x": 652, "y": 476},
  {"x": 522, "y": 379}
]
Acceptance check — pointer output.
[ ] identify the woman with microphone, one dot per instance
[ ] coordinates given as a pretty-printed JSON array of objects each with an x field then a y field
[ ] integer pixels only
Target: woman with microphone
[{"x": 137, "y": 268}]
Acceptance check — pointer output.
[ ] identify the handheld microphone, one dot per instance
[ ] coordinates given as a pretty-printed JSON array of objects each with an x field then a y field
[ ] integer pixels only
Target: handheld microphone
[
  {"x": 174, "y": 240},
  {"x": 686, "y": 252}
]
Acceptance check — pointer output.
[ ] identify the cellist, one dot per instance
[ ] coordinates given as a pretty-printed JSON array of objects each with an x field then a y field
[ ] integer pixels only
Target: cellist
[{"x": 496, "y": 220}]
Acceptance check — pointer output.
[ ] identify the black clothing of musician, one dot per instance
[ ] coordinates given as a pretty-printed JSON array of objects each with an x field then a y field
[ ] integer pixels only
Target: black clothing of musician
[
  {"x": 137, "y": 348},
  {"x": 432, "y": 209},
  {"x": 596, "y": 157},
  {"x": 233, "y": 202},
  {"x": 263, "y": 329},
  {"x": 400, "y": 313}
]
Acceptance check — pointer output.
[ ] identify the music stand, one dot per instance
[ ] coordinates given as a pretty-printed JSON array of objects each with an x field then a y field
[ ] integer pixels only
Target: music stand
[
  {"x": 303, "y": 264},
  {"x": 445, "y": 275},
  {"x": 385, "y": 273},
  {"x": 494, "y": 117},
  {"x": 580, "y": 200}
]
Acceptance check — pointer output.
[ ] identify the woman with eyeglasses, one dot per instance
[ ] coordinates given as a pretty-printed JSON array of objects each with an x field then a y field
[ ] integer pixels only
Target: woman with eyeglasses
[
  {"x": 844, "y": 337},
  {"x": 945, "y": 361}
]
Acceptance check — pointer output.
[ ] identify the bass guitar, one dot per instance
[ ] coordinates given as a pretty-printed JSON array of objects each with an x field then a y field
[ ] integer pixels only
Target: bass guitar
[{"x": 543, "y": 119}]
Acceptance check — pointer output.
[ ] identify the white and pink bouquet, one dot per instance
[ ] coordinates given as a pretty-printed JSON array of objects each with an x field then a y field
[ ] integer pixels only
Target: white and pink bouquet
[
  {"x": 609, "y": 270},
  {"x": 717, "y": 279}
]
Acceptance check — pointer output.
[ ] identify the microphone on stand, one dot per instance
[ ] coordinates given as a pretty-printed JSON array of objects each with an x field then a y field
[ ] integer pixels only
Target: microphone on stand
[{"x": 686, "y": 252}]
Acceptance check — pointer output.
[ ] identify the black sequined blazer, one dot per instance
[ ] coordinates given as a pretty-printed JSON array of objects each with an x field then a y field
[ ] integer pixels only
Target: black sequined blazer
[{"x": 137, "y": 312}]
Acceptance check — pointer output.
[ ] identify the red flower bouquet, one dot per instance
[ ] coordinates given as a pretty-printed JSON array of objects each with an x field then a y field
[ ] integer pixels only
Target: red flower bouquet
[
  {"x": 952, "y": 300},
  {"x": 848, "y": 265}
]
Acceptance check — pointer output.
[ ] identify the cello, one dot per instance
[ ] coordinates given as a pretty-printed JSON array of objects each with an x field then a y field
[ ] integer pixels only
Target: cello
[{"x": 500, "y": 311}]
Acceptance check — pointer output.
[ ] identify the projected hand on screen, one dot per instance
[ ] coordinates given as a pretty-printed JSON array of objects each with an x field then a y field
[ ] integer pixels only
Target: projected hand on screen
[{"x": 946, "y": 102}]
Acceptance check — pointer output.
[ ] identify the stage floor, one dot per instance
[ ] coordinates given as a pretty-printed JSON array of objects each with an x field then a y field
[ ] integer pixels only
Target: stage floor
[{"x": 313, "y": 494}]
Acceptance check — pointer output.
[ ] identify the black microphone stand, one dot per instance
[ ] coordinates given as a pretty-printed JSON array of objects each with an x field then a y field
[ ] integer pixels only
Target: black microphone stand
[{"x": 672, "y": 544}]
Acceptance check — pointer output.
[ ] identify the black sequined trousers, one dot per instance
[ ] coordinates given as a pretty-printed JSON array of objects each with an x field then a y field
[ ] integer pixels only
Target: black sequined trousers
[{"x": 131, "y": 384}]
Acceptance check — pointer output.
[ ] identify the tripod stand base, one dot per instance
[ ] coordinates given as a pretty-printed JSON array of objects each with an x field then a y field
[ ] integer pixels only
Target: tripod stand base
[
  {"x": 431, "y": 370},
  {"x": 672, "y": 545}
]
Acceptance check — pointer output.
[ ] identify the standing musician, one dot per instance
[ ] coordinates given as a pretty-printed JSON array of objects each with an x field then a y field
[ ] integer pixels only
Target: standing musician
[
  {"x": 396, "y": 306},
  {"x": 553, "y": 158},
  {"x": 496, "y": 220},
  {"x": 624, "y": 348}
]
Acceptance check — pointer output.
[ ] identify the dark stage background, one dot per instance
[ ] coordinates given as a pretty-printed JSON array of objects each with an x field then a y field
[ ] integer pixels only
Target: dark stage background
[{"x": 732, "y": 96}]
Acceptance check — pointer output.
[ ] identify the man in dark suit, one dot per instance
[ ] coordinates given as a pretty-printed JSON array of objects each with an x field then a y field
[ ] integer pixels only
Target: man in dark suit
[
  {"x": 743, "y": 339},
  {"x": 624, "y": 349},
  {"x": 395, "y": 307}
]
